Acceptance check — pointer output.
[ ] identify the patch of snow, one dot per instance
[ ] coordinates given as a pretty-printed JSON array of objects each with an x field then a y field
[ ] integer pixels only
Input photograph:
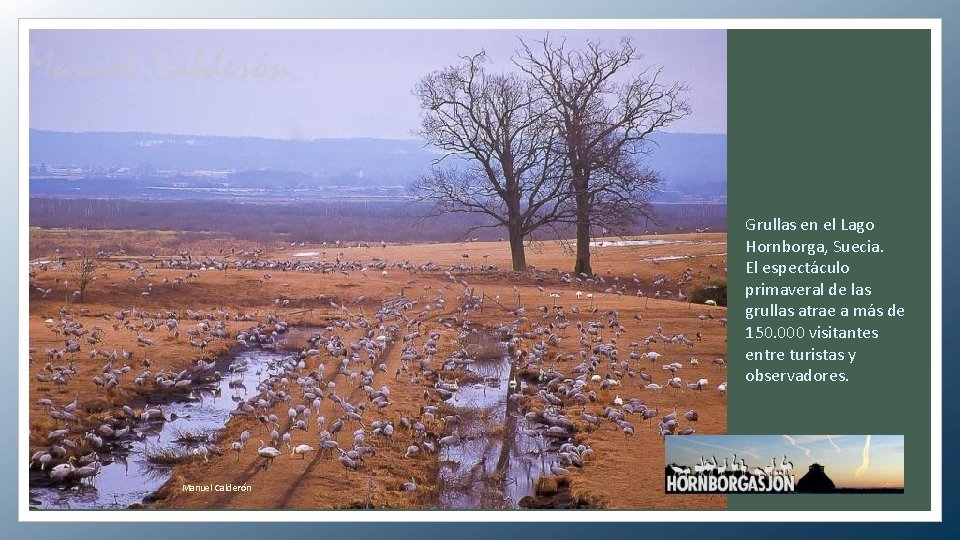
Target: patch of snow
[{"x": 626, "y": 243}]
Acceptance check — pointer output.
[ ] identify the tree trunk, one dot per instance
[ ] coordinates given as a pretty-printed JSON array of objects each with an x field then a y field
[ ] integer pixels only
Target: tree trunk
[
  {"x": 517, "y": 254},
  {"x": 583, "y": 233},
  {"x": 514, "y": 228}
]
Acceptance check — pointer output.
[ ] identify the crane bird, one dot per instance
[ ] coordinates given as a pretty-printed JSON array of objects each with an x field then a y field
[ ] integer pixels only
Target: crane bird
[
  {"x": 786, "y": 467},
  {"x": 88, "y": 471},
  {"x": 268, "y": 453},
  {"x": 202, "y": 451},
  {"x": 302, "y": 450},
  {"x": 448, "y": 441},
  {"x": 62, "y": 471},
  {"x": 237, "y": 447},
  {"x": 347, "y": 462}
]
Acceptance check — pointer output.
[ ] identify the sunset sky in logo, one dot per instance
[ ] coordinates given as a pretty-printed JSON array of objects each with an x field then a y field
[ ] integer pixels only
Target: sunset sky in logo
[{"x": 851, "y": 461}]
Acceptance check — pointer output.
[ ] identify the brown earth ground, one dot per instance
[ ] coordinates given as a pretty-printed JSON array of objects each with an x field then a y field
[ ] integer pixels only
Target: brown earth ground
[{"x": 623, "y": 472}]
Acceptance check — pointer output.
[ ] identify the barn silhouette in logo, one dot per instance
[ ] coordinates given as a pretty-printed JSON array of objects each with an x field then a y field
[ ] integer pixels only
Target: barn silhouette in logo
[{"x": 815, "y": 481}]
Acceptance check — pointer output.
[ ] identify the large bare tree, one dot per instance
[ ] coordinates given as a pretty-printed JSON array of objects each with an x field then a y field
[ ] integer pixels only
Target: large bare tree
[
  {"x": 499, "y": 156},
  {"x": 604, "y": 113}
]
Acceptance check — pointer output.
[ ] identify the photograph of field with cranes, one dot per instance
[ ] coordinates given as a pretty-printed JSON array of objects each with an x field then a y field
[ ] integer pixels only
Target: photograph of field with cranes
[{"x": 373, "y": 269}]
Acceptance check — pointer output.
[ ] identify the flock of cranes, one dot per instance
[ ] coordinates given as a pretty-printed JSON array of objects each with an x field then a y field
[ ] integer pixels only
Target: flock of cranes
[
  {"x": 584, "y": 367},
  {"x": 735, "y": 466}
]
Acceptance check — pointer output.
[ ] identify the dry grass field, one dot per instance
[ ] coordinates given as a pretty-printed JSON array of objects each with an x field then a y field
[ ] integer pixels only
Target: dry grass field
[{"x": 138, "y": 297}]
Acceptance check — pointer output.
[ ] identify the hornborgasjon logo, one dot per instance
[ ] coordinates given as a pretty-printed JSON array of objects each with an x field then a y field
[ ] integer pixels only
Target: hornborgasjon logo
[{"x": 709, "y": 476}]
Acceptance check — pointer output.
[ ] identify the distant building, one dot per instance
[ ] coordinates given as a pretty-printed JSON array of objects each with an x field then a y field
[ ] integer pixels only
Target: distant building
[{"x": 815, "y": 481}]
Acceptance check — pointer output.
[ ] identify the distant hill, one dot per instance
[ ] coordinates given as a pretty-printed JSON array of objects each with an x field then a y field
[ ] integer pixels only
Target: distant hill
[
  {"x": 385, "y": 159},
  {"x": 694, "y": 165}
]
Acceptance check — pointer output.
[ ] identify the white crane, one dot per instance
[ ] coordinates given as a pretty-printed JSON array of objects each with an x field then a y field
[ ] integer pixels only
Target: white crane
[
  {"x": 302, "y": 450},
  {"x": 268, "y": 453}
]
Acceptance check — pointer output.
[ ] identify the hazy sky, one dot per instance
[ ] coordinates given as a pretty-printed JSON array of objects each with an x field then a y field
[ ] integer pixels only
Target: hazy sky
[
  {"x": 850, "y": 461},
  {"x": 303, "y": 84}
]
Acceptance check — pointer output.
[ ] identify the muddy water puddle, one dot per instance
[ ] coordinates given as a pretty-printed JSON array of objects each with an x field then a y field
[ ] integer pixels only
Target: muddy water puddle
[
  {"x": 127, "y": 475},
  {"x": 500, "y": 455}
]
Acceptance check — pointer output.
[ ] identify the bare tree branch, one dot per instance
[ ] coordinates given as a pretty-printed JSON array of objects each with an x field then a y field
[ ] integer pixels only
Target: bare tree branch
[
  {"x": 82, "y": 272},
  {"x": 500, "y": 153},
  {"x": 603, "y": 120}
]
